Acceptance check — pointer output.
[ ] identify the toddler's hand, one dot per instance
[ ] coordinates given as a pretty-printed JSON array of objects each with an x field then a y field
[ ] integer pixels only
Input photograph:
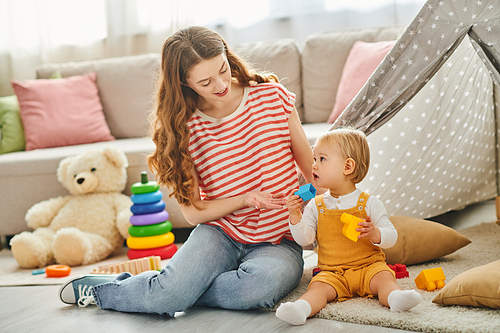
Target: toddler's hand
[
  {"x": 294, "y": 203},
  {"x": 369, "y": 230}
]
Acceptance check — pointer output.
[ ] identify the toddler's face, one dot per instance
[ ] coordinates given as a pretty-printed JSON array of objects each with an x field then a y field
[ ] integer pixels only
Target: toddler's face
[{"x": 328, "y": 167}]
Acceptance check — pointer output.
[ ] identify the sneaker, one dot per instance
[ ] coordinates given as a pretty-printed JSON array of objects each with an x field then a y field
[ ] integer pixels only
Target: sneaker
[{"x": 79, "y": 290}]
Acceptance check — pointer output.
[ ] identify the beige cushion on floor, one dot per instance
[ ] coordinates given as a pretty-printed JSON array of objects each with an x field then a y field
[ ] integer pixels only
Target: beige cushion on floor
[
  {"x": 421, "y": 240},
  {"x": 479, "y": 286}
]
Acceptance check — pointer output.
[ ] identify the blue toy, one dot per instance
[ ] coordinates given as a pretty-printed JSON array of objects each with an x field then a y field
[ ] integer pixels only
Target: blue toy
[
  {"x": 306, "y": 192},
  {"x": 146, "y": 198},
  {"x": 142, "y": 209}
]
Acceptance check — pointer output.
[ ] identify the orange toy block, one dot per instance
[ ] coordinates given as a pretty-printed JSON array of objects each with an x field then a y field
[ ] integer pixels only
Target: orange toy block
[
  {"x": 430, "y": 279},
  {"x": 350, "y": 225}
]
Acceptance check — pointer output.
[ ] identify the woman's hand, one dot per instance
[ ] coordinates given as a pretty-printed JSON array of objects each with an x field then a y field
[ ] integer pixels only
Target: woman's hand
[
  {"x": 265, "y": 200},
  {"x": 370, "y": 231},
  {"x": 294, "y": 204}
]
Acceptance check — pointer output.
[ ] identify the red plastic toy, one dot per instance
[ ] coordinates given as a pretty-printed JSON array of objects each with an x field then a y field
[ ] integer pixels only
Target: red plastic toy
[{"x": 400, "y": 270}]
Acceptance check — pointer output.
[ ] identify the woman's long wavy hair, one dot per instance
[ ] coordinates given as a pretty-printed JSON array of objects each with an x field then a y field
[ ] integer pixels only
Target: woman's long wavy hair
[{"x": 176, "y": 103}]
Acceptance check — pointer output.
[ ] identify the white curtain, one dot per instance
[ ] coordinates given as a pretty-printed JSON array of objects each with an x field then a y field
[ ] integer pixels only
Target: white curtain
[{"x": 40, "y": 31}]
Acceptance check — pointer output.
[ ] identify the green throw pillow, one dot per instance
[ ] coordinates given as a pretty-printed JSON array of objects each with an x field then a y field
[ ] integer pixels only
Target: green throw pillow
[{"x": 11, "y": 126}]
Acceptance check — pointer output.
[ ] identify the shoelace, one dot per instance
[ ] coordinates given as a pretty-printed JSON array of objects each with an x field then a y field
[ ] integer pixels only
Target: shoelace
[{"x": 85, "y": 296}]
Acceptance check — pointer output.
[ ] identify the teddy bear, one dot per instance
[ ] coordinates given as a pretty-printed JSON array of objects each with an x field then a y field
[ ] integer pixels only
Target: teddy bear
[{"x": 85, "y": 226}]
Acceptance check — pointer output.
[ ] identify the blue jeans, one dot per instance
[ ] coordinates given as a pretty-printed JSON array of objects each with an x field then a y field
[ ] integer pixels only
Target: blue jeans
[{"x": 210, "y": 269}]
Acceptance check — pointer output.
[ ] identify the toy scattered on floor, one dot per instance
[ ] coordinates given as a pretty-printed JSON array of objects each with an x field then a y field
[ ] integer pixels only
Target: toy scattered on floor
[
  {"x": 316, "y": 270},
  {"x": 85, "y": 226},
  {"x": 150, "y": 232},
  {"x": 53, "y": 271},
  {"x": 306, "y": 192},
  {"x": 134, "y": 267},
  {"x": 351, "y": 223},
  {"x": 430, "y": 279},
  {"x": 400, "y": 271}
]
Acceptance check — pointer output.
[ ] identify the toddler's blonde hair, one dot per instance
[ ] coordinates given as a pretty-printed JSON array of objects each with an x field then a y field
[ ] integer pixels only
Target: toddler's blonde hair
[{"x": 353, "y": 144}]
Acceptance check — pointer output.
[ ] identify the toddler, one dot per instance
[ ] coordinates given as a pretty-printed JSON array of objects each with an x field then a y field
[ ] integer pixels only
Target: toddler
[{"x": 348, "y": 268}]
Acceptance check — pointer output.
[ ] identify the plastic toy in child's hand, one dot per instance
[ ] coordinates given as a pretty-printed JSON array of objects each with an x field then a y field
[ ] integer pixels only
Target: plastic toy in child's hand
[
  {"x": 351, "y": 223},
  {"x": 306, "y": 192},
  {"x": 53, "y": 271}
]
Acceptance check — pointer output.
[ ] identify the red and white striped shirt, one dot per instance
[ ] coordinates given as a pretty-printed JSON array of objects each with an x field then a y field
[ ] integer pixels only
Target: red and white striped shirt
[{"x": 249, "y": 150}]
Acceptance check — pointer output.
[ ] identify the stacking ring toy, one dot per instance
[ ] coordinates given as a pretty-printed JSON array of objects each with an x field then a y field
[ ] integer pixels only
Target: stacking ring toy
[
  {"x": 148, "y": 208},
  {"x": 150, "y": 230},
  {"x": 165, "y": 252},
  {"x": 144, "y": 186},
  {"x": 149, "y": 218},
  {"x": 57, "y": 270},
  {"x": 146, "y": 197},
  {"x": 140, "y": 243}
]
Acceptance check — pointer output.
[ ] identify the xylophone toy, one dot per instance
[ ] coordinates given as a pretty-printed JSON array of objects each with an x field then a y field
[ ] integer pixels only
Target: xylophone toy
[
  {"x": 150, "y": 232},
  {"x": 134, "y": 267}
]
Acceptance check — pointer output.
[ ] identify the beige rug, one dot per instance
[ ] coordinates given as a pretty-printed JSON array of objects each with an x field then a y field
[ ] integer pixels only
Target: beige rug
[{"x": 427, "y": 316}]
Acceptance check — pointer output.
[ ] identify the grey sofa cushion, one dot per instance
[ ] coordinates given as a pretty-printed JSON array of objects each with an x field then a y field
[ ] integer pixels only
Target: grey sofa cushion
[
  {"x": 126, "y": 89},
  {"x": 323, "y": 60},
  {"x": 282, "y": 57}
]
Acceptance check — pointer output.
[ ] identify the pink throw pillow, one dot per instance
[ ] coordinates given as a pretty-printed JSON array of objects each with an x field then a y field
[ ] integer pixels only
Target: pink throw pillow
[
  {"x": 61, "y": 112},
  {"x": 361, "y": 62}
]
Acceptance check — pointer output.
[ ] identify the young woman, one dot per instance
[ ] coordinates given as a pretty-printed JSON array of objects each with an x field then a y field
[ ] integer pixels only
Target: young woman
[{"x": 228, "y": 141}]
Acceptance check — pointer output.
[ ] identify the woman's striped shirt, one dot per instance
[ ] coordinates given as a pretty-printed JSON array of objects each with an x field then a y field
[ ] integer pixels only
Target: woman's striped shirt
[{"x": 249, "y": 150}]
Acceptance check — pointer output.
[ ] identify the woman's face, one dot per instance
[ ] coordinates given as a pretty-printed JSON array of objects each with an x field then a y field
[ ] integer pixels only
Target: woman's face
[{"x": 211, "y": 79}]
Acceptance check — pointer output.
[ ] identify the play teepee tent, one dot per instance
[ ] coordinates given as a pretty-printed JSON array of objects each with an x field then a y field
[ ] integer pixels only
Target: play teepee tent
[{"x": 431, "y": 111}]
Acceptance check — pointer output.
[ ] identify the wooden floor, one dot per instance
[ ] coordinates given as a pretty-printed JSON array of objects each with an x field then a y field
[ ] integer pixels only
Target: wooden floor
[{"x": 38, "y": 308}]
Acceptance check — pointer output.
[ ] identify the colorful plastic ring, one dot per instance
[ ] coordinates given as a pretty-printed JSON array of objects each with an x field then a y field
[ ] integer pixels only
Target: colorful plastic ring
[
  {"x": 148, "y": 208},
  {"x": 148, "y": 219},
  {"x": 165, "y": 252},
  {"x": 140, "y": 188},
  {"x": 146, "y": 197},
  {"x": 150, "y": 230},
  {"x": 141, "y": 243},
  {"x": 57, "y": 270}
]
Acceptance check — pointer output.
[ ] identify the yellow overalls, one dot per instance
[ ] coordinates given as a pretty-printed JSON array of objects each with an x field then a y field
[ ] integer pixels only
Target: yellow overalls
[{"x": 346, "y": 265}]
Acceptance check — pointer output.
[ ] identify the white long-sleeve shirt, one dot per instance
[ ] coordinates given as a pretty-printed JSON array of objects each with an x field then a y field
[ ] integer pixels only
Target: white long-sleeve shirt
[{"x": 304, "y": 232}]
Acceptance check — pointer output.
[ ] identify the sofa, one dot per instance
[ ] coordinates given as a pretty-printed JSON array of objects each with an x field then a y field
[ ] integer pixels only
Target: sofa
[{"x": 126, "y": 87}]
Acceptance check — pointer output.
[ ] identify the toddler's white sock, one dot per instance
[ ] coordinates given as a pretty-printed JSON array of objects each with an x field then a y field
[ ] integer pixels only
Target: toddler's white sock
[
  {"x": 403, "y": 300},
  {"x": 295, "y": 313}
]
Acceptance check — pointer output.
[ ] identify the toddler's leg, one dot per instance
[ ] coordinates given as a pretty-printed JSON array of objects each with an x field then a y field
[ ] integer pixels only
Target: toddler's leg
[
  {"x": 315, "y": 299},
  {"x": 390, "y": 293},
  {"x": 403, "y": 300},
  {"x": 294, "y": 313}
]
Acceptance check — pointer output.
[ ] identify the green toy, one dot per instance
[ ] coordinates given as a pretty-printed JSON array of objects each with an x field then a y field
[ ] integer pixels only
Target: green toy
[{"x": 144, "y": 186}]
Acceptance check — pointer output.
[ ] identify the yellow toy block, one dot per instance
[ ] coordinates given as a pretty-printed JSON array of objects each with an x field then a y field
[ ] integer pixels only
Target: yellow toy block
[
  {"x": 430, "y": 279},
  {"x": 350, "y": 226}
]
